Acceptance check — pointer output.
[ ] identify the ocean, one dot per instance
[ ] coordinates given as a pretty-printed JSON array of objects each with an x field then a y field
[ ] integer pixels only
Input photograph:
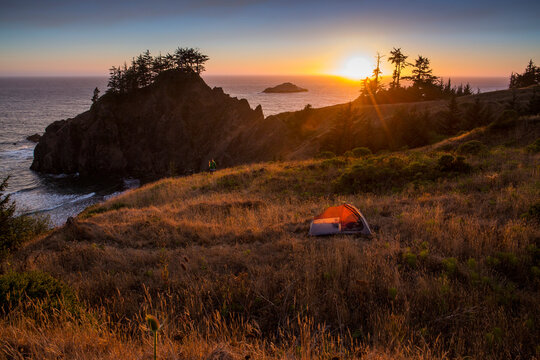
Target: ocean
[{"x": 28, "y": 105}]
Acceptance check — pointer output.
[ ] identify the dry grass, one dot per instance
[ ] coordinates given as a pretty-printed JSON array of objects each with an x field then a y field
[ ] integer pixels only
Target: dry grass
[{"x": 225, "y": 262}]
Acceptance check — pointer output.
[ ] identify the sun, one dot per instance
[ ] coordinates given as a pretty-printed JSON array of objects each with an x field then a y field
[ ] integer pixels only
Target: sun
[{"x": 356, "y": 68}]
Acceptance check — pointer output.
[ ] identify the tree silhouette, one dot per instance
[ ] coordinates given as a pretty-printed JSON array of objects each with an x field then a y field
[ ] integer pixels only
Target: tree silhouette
[
  {"x": 423, "y": 79},
  {"x": 114, "y": 79},
  {"x": 531, "y": 76},
  {"x": 422, "y": 74},
  {"x": 95, "y": 97},
  {"x": 377, "y": 71},
  {"x": 399, "y": 60},
  {"x": 144, "y": 68}
]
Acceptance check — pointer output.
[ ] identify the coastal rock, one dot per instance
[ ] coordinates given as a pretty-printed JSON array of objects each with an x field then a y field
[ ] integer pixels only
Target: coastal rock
[
  {"x": 173, "y": 126},
  {"x": 33, "y": 138},
  {"x": 284, "y": 88}
]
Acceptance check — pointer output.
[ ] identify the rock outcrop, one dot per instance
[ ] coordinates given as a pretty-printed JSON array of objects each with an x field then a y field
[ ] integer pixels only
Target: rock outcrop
[
  {"x": 175, "y": 125},
  {"x": 33, "y": 138},
  {"x": 284, "y": 88}
]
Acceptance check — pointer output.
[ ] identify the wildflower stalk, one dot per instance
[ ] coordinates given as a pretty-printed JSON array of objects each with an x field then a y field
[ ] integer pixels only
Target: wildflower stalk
[{"x": 153, "y": 325}]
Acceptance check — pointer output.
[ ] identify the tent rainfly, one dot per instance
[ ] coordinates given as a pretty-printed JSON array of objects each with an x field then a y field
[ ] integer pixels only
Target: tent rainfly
[{"x": 343, "y": 219}]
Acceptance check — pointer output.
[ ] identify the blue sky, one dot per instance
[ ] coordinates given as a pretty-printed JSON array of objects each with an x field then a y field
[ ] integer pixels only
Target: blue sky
[{"x": 462, "y": 38}]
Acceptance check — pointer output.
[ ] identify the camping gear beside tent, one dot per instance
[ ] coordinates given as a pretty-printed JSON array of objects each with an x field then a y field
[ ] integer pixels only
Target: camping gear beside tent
[{"x": 343, "y": 219}]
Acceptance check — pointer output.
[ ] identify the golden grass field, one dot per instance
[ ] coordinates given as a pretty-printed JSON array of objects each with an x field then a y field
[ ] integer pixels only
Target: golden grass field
[{"x": 224, "y": 261}]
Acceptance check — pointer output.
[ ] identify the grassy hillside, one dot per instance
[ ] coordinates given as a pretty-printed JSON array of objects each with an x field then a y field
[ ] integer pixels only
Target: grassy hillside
[{"x": 224, "y": 261}]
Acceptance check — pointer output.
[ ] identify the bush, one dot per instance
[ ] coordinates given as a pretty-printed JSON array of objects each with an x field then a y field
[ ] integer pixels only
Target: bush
[
  {"x": 507, "y": 119},
  {"x": 18, "y": 287},
  {"x": 15, "y": 229},
  {"x": 534, "y": 147},
  {"x": 450, "y": 265},
  {"x": 384, "y": 172},
  {"x": 448, "y": 163},
  {"x": 325, "y": 155},
  {"x": 533, "y": 213},
  {"x": 361, "y": 151},
  {"x": 471, "y": 147},
  {"x": 334, "y": 162}
]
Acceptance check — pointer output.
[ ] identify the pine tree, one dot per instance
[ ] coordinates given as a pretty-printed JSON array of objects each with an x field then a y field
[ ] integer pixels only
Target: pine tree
[
  {"x": 377, "y": 71},
  {"x": 450, "y": 120},
  {"x": 531, "y": 76},
  {"x": 114, "y": 80},
  {"x": 399, "y": 60},
  {"x": 96, "y": 95},
  {"x": 467, "y": 90}
]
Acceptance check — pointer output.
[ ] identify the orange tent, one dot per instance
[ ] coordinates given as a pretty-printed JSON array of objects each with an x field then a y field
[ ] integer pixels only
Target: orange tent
[{"x": 344, "y": 219}]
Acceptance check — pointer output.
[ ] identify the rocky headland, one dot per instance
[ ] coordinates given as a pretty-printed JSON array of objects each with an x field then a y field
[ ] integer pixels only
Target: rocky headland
[{"x": 175, "y": 125}]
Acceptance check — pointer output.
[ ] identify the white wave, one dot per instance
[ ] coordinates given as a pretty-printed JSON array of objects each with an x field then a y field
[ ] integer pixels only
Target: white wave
[
  {"x": 18, "y": 154},
  {"x": 83, "y": 197},
  {"x": 31, "y": 202},
  {"x": 113, "y": 195}
]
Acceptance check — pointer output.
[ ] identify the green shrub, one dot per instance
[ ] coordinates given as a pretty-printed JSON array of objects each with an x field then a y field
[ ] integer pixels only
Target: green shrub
[
  {"x": 471, "y": 147},
  {"x": 15, "y": 230},
  {"x": 385, "y": 172},
  {"x": 533, "y": 213},
  {"x": 334, "y": 162},
  {"x": 325, "y": 155},
  {"x": 448, "y": 163},
  {"x": 507, "y": 119},
  {"x": 534, "y": 147},
  {"x": 361, "y": 151},
  {"x": 409, "y": 258},
  {"x": 450, "y": 265},
  {"x": 17, "y": 287}
]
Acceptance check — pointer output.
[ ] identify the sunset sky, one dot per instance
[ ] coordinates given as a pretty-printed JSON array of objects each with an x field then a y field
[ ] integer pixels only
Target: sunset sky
[{"x": 462, "y": 38}]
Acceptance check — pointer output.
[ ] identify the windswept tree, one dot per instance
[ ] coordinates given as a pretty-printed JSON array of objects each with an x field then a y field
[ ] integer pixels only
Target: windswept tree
[
  {"x": 423, "y": 79},
  {"x": 144, "y": 68},
  {"x": 422, "y": 74},
  {"x": 399, "y": 60},
  {"x": 377, "y": 71},
  {"x": 114, "y": 80},
  {"x": 200, "y": 60},
  {"x": 531, "y": 76},
  {"x": 95, "y": 97}
]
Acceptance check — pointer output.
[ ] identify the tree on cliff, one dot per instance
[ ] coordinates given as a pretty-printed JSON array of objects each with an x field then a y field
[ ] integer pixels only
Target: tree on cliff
[
  {"x": 145, "y": 68},
  {"x": 190, "y": 59},
  {"x": 531, "y": 76},
  {"x": 96, "y": 95},
  {"x": 399, "y": 60},
  {"x": 423, "y": 79}
]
